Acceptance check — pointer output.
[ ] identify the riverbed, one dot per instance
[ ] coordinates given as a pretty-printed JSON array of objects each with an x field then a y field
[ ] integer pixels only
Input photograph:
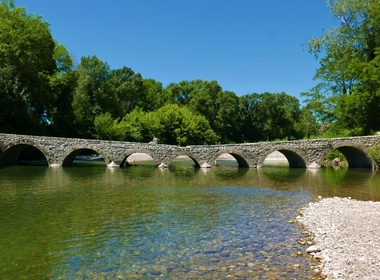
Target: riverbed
[{"x": 142, "y": 222}]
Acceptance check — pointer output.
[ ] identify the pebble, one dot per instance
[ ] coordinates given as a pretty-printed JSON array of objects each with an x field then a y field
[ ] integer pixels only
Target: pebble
[
  {"x": 313, "y": 249},
  {"x": 345, "y": 233}
]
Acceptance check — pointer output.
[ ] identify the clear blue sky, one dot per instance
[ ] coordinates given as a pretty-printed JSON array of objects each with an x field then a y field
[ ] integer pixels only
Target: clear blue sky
[{"x": 246, "y": 45}]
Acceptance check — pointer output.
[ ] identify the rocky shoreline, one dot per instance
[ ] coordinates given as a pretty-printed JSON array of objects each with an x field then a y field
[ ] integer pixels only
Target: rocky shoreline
[{"x": 346, "y": 237}]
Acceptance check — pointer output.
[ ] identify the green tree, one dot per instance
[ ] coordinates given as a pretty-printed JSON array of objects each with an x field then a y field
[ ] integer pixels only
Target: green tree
[
  {"x": 200, "y": 96},
  {"x": 183, "y": 127},
  {"x": 220, "y": 108},
  {"x": 270, "y": 116},
  {"x": 204, "y": 100},
  {"x": 171, "y": 123},
  {"x": 348, "y": 95},
  {"x": 135, "y": 127},
  {"x": 308, "y": 125},
  {"x": 249, "y": 105},
  {"x": 107, "y": 128},
  {"x": 228, "y": 120},
  {"x": 27, "y": 62},
  {"x": 153, "y": 93},
  {"x": 62, "y": 84},
  {"x": 128, "y": 88},
  {"x": 93, "y": 95}
]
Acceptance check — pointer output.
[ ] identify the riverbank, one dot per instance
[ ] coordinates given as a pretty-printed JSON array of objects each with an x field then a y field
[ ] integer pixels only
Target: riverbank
[{"x": 346, "y": 235}]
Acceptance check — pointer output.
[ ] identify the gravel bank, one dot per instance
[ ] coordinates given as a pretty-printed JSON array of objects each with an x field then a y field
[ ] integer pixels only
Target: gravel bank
[{"x": 346, "y": 235}]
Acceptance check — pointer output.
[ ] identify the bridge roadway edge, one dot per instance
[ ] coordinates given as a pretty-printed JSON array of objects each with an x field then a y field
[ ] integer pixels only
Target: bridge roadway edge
[{"x": 300, "y": 153}]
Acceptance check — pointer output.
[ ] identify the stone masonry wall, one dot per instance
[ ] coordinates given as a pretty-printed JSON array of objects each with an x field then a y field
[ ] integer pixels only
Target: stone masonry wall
[{"x": 300, "y": 153}]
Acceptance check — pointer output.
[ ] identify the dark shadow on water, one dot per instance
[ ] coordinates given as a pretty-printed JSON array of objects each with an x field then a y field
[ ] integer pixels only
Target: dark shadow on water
[{"x": 31, "y": 156}]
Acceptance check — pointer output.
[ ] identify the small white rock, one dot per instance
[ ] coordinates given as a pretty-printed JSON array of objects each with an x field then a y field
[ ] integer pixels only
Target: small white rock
[{"x": 313, "y": 249}]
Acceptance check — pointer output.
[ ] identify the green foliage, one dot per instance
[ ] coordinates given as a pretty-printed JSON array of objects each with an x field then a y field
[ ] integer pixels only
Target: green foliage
[
  {"x": 128, "y": 90},
  {"x": 153, "y": 93},
  {"x": 135, "y": 126},
  {"x": 270, "y": 116},
  {"x": 182, "y": 127},
  {"x": 220, "y": 108},
  {"x": 335, "y": 154},
  {"x": 27, "y": 62},
  {"x": 228, "y": 117},
  {"x": 107, "y": 128},
  {"x": 348, "y": 96},
  {"x": 93, "y": 95},
  {"x": 374, "y": 153},
  {"x": 173, "y": 125},
  {"x": 308, "y": 125}
]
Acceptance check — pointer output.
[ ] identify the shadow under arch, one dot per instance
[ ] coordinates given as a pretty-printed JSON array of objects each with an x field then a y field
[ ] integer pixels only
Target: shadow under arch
[
  {"x": 10, "y": 155},
  {"x": 73, "y": 152},
  {"x": 295, "y": 157},
  {"x": 241, "y": 160},
  {"x": 123, "y": 158},
  {"x": 356, "y": 155}
]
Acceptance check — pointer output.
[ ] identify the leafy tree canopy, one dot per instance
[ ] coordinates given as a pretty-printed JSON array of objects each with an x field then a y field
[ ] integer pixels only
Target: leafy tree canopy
[
  {"x": 28, "y": 60},
  {"x": 270, "y": 116},
  {"x": 348, "y": 95}
]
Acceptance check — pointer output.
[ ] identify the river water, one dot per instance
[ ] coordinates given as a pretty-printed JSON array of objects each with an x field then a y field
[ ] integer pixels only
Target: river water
[{"x": 142, "y": 222}]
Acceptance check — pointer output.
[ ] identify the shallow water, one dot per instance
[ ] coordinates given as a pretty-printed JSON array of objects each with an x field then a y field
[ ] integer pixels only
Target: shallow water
[{"x": 141, "y": 222}]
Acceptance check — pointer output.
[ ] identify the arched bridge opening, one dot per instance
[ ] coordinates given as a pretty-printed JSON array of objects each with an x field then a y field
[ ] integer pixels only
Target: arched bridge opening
[
  {"x": 295, "y": 158},
  {"x": 231, "y": 154},
  {"x": 184, "y": 161},
  {"x": 23, "y": 154},
  {"x": 356, "y": 156},
  {"x": 226, "y": 160},
  {"x": 275, "y": 159},
  {"x": 83, "y": 156},
  {"x": 136, "y": 159},
  {"x": 241, "y": 161}
]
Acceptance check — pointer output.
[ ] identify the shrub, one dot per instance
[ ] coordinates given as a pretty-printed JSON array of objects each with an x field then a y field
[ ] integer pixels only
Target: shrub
[{"x": 374, "y": 153}]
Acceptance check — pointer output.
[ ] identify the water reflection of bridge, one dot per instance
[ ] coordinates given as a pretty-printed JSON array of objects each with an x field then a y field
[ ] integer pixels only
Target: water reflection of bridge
[{"x": 299, "y": 153}]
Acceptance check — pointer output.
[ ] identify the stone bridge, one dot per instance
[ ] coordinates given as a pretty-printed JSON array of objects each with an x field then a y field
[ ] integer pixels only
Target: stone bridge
[{"x": 299, "y": 153}]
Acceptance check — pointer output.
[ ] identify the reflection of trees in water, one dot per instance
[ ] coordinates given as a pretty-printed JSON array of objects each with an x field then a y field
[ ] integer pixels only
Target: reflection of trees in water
[
  {"x": 229, "y": 172},
  {"x": 346, "y": 177},
  {"x": 344, "y": 182},
  {"x": 283, "y": 174},
  {"x": 333, "y": 176},
  {"x": 183, "y": 171}
]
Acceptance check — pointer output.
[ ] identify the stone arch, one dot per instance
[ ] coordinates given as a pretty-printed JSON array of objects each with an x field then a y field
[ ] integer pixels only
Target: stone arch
[
  {"x": 355, "y": 154},
  {"x": 121, "y": 160},
  {"x": 295, "y": 157},
  {"x": 73, "y": 151},
  {"x": 197, "y": 161},
  {"x": 239, "y": 157},
  {"x": 11, "y": 150}
]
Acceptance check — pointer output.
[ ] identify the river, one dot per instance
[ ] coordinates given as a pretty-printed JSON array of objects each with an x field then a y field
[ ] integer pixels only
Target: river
[{"x": 142, "y": 222}]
